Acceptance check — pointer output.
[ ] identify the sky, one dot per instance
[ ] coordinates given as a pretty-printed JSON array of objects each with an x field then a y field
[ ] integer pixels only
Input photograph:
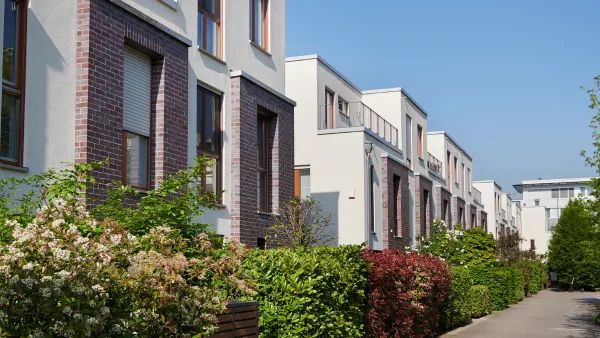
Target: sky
[{"x": 502, "y": 77}]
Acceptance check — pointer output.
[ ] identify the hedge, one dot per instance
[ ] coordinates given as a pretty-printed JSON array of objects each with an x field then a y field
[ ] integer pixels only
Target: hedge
[
  {"x": 457, "y": 308},
  {"x": 309, "y": 293},
  {"x": 498, "y": 281},
  {"x": 405, "y": 293},
  {"x": 481, "y": 301},
  {"x": 515, "y": 285}
]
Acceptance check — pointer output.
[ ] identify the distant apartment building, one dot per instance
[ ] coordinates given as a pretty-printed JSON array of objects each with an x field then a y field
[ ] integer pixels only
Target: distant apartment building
[
  {"x": 542, "y": 204},
  {"x": 150, "y": 85},
  {"x": 494, "y": 212}
]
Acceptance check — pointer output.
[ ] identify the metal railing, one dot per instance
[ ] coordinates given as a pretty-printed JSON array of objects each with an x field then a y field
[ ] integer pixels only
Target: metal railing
[
  {"x": 357, "y": 114},
  {"x": 434, "y": 164},
  {"x": 477, "y": 195}
]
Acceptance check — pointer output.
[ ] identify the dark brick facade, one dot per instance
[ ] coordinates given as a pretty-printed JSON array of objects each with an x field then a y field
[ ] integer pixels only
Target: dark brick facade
[
  {"x": 103, "y": 29},
  {"x": 423, "y": 204},
  {"x": 458, "y": 204},
  {"x": 444, "y": 200},
  {"x": 395, "y": 208},
  {"x": 471, "y": 216},
  {"x": 247, "y": 98},
  {"x": 482, "y": 219}
]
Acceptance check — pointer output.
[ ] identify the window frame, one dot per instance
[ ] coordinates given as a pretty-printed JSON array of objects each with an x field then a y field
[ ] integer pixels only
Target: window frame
[
  {"x": 217, "y": 20},
  {"x": 449, "y": 169},
  {"x": 408, "y": 126},
  {"x": 264, "y": 41},
  {"x": 455, "y": 169},
  {"x": 124, "y": 160},
  {"x": 217, "y": 155},
  {"x": 329, "y": 111},
  {"x": 372, "y": 198},
  {"x": 17, "y": 89},
  {"x": 420, "y": 141},
  {"x": 344, "y": 105},
  {"x": 264, "y": 169}
]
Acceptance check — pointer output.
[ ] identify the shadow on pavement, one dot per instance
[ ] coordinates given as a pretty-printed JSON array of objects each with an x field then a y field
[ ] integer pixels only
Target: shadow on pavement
[{"x": 583, "y": 320}]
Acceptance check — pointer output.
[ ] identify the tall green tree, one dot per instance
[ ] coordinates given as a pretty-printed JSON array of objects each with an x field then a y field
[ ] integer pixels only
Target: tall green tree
[{"x": 573, "y": 252}]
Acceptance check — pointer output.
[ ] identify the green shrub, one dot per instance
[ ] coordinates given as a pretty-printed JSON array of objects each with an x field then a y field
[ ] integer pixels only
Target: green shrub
[
  {"x": 309, "y": 293},
  {"x": 457, "y": 308},
  {"x": 597, "y": 320},
  {"x": 481, "y": 301},
  {"x": 515, "y": 285},
  {"x": 498, "y": 282}
]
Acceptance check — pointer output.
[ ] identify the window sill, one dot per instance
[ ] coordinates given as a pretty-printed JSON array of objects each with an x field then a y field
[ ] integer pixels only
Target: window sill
[
  {"x": 264, "y": 213},
  {"x": 260, "y": 48},
  {"x": 14, "y": 168},
  {"x": 219, "y": 60},
  {"x": 220, "y": 206},
  {"x": 170, "y": 3}
]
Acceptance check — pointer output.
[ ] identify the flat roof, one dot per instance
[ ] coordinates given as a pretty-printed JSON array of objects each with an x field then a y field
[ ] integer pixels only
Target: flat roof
[
  {"x": 550, "y": 182},
  {"x": 489, "y": 181},
  {"x": 451, "y": 140}
]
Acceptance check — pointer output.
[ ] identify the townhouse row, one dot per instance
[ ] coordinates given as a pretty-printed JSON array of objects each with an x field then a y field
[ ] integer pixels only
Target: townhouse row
[{"x": 150, "y": 85}]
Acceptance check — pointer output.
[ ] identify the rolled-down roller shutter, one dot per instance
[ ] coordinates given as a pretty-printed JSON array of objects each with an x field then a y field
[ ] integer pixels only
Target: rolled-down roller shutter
[{"x": 136, "y": 92}]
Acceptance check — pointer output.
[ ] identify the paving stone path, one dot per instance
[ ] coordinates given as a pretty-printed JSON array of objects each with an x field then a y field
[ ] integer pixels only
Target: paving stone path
[{"x": 547, "y": 314}]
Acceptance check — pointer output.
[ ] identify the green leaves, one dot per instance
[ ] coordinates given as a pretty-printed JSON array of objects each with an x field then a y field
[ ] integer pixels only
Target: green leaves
[
  {"x": 457, "y": 308},
  {"x": 481, "y": 301}
]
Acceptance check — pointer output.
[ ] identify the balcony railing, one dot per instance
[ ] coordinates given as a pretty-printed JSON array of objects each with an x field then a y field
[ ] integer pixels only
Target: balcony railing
[
  {"x": 477, "y": 195},
  {"x": 357, "y": 114},
  {"x": 434, "y": 164}
]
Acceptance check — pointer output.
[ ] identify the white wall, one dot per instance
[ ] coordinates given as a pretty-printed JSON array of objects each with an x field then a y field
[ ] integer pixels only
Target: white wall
[
  {"x": 534, "y": 227},
  {"x": 50, "y": 87},
  {"x": 488, "y": 189}
]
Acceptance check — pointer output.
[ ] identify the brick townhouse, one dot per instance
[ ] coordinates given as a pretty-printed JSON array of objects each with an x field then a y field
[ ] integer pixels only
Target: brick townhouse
[{"x": 150, "y": 85}]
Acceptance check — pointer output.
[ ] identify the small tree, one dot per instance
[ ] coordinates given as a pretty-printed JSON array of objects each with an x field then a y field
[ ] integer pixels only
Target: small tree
[
  {"x": 302, "y": 223},
  {"x": 509, "y": 249}
]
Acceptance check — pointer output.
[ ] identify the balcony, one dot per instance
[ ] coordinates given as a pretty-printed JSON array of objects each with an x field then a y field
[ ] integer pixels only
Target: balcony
[
  {"x": 503, "y": 214},
  {"x": 434, "y": 164},
  {"x": 477, "y": 195},
  {"x": 357, "y": 114}
]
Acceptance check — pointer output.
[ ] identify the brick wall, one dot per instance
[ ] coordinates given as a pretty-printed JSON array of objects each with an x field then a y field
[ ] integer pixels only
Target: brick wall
[
  {"x": 471, "y": 211},
  {"x": 423, "y": 209},
  {"x": 247, "y": 225},
  {"x": 102, "y": 31},
  {"x": 396, "y": 223},
  {"x": 444, "y": 195},
  {"x": 458, "y": 203}
]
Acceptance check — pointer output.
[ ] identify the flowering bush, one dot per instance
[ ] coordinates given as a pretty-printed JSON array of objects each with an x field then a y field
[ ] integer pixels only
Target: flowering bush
[
  {"x": 64, "y": 274},
  {"x": 405, "y": 292}
]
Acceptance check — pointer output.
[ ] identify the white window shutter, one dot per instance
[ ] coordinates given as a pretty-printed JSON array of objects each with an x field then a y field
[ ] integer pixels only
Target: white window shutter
[{"x": 136, "y": 92}]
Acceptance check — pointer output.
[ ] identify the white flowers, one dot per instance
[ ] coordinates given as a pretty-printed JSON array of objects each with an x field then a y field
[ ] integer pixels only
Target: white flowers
[
  {"x": 67, "y": 310},
  {"x": 105, "y": 310},
  {"x": 28, "y": 282},
  {"x": 91, "y": 321},
  {"x": 48, "y": 234},
  {"x": 46, "y": 292},
  {"x": 61, "y": 254},
  {"x": 63, "y": 274},
  {"x": 98, "y": 288},
  {"x": 28, "y": 266},
  {"x": 58, "y": 223},
  {"x": 116, "y": 239}
]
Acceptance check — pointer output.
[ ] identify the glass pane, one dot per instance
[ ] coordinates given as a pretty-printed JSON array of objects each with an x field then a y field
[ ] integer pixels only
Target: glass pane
[
  {"x": 262, "y": 191},
  {"x": 209, "y": 131},
  {"x": 210, "y": 182},
  {"x": 553, "y": 213},
  {"x": 9, "y": 128},
  {"x": 199, "y": 39},
  {"x": 554, "y": 193},
  {"x": 582, "y": 191},
  {"x": 571, "y": 192},
  {"x": 564, "y": 193},
  {"x": 408, "y": 138},
  {"x": 211, "y": 36},
  {"x": 212, "y": 6},
  {"x": 257, "y": 22},
  {"x": 137, "y": 160},
  {"x": 10, "y": 46},
  {"x": 304, "y": 183},
  {"x": 260, "y": 134}
]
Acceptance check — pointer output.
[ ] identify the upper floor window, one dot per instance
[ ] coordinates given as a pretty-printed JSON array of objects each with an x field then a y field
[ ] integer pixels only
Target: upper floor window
[
  {"x": 262, "y": 137},
  {"x": 13, "y": 76},
  {"x": 209, "y": 26},
  {"x": 469, "y": 179},
  {"x": 342, "y": 106},
  {"x": 455, "y": 170},
  {"x": 328, "y": 117},
  {"x": 563, "y": 192},
  {"x": 409, "y": 141},
  {"x": 208, "y": 137},
  {"x": 259, "y": 22},
  {"x": 420, "y": 140}
]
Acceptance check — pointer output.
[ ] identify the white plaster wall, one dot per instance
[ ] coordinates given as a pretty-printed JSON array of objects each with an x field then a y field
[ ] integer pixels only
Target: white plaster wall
[
  {"x": 174, "y": 17},
  {"x": 50, "y": 87},
  {"x": 545, "y": 196},
  {"x": 488, "y": 189},
  {"x": 388, "y": 104},
  {"x": 534, "y": 227}
]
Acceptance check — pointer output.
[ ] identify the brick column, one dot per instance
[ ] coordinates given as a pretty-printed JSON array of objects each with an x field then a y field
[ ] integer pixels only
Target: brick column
[
  {"x": 458, "y": 203},
  {"x": 396, "y": 223},
  {"x": 444, "y": 195},
  {"x": 423, "y": 209}
]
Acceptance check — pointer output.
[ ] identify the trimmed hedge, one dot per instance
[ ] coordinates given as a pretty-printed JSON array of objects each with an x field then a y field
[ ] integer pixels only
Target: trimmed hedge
[
  {"x": 309, "y": 293},
  {"x": 405, "y": 293},
  {"x": 481, "y": 301},
  {"x": 457, "y": 308},
  {"x": 498, "y": 282},
  {"x": 515, "y": 285}
]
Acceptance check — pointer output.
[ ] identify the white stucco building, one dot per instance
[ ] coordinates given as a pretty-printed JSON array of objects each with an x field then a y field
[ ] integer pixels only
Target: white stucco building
[{"x": 542, "y": 205}]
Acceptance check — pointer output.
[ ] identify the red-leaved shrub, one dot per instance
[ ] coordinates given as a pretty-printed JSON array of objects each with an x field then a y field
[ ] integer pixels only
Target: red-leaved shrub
[{"x": 404, "y": 293}]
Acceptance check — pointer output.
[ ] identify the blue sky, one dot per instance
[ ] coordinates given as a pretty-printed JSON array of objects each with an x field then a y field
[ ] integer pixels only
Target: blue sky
[{"x": 501, "y": 77}]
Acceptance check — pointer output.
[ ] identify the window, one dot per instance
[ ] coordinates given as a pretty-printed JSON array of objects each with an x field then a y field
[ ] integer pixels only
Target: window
[
  {"x": 420, "y": 140},
  {"x": 563, "y": 192},
  {"x": 208, "y": 137},
  {"x": 532, "y": 244},
  {"x": 445, "y": 210},
  {"x": 302, "y": 183},
  {"x": 455, "y": 170},
  {"x": 409, "y": 141},
  {"x": 372, "y": 198},
  {"x": 13, "y": 78},
  {"x": 462, "y": 174},
  {"x": 583, "y": 191},
  {"x": 261, "y": 243},
  {"x": 259, "y": 22},
  {"x": 209, "y": 26},
  {"x": 448, "y": 174},
  {"x": 473, "y": 221},
  {"x": 396, "y": 200},
  {"x": 460, "y": 215},
  {"x": 263, "y": 163},
  {"x": 425, "y": 218},
  {"x": 136, "y": 118},
  {"x": 329, "y": 108},
  {"x": 342, "y": 106},
  {"x": 537, "y": 203},
  {"x": 555, "y": 213},
  {"x": 469, "y": 179}
]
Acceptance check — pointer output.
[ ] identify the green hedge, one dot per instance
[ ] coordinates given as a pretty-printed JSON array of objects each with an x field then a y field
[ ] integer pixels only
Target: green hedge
[
  {"x": 498, "y": 282},
  {"x": 310, "y": 293},
  {"x": 481, "y": 301},
  {"x": 515, "y": 285},
  {"x": 457, "y": 308}
]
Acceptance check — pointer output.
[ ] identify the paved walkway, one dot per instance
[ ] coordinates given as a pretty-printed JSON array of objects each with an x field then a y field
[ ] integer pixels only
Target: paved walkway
[{"x": 547, "y": 314}]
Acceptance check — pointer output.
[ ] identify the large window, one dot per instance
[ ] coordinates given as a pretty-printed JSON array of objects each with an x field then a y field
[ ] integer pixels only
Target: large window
[
  {"x": 209, "y": 26},
  {"x": 397, "y": 199},
  {"x": 563, "y": 193},
  {"x": 409, "y": 141},
  {"x": 208, "y": 137},
  {"x": 262, "y": 133},
  {"x": 455, "y": 170},
  {"x": 448, "y": 168},
  {"x": 469, "y": 179},
  {"x": 136, "y": 118},
  {"x": 420, "y": 140},
  {"x": 342, "y": 106},
  {"x": 13, "y": 76},
  {"x": 259, "y": 22},
  {"x": 302, "y": 183},
  {"x": 329, "y": 109}
]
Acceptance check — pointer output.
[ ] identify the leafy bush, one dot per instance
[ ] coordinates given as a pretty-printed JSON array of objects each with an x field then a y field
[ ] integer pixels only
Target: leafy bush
[
  {"x": 405, "y": 293},
  {"x": 309, "y": 293},
  {"x": 481, "y": 301},
  {"x": 480, "y": 248},
  {"x": 516, "y": 285},
  {"x": 498, "y": 281},
  {"x": 597, "y": 320},
  {"x": 65, "y": 274},
  {"x": 457, "y": 308}
]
